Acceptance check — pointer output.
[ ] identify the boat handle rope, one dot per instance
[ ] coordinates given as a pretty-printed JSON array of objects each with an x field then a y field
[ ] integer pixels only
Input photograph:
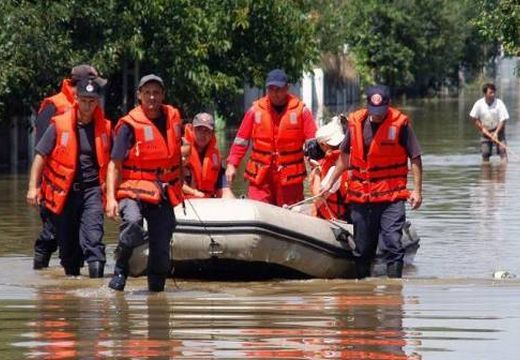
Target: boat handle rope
[{"x": 215, "y": 248}]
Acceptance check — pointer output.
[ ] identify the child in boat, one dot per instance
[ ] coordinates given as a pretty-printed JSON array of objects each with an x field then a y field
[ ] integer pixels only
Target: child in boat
[{"x": 323, "y": 160}]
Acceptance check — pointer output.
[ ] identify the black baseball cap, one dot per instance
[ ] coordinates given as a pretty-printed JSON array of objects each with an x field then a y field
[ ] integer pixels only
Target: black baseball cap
[
  {"x": 86, "y": 71},
  {"x": 88, "y": 87},
  {"x": 378, "y": 99},
  {"x": 276, "y": 77}
]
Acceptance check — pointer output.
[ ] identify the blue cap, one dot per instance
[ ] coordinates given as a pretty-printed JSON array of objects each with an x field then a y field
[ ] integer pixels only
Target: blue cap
[
  {"x": 378, "y": 99},
  {"x": 276, "y": 77}
]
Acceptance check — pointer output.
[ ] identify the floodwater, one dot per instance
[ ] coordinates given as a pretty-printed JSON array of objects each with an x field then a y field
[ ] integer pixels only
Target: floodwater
[{"x": 448, "y": 307}]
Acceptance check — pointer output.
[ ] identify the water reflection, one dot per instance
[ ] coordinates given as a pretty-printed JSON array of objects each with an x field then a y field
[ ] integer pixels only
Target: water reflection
[{"x": 348, "y": 320}]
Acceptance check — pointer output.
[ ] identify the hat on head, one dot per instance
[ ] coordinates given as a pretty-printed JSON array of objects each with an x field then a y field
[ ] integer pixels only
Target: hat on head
[
  {"x": 276, "y": 77},
  {"x": 204, "y": 119},
  {"x": 88, "y": 87},
  {"x": 332, "y": 133},
  {"x": 378, "y": 99},
  {"x": 149, "y": 78},
  {"x": 86, "y": 71}
]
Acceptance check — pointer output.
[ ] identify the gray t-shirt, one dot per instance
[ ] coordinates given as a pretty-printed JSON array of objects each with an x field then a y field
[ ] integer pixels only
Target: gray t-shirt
[{"x": 88, "y": 169}]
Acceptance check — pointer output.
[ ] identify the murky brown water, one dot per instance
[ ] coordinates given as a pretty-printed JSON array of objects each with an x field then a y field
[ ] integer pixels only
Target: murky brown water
[{"x": 449, "y": 307}]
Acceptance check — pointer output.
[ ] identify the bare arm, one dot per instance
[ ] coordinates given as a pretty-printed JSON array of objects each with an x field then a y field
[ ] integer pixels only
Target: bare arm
[
  {"x": 33, "y": 191},
  {"x": 226, "y": 193},
  {"x": 113, "y": 180},
  {"x": 188, "y": 190},
  {"x": 415, "y": 198}
]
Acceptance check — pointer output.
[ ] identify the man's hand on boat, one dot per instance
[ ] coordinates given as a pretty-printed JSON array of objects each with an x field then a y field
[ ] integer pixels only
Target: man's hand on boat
[{"x": 112, "y": 208}]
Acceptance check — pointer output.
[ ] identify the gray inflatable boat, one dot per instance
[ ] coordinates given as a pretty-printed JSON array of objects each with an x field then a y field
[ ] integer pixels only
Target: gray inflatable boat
[{"x": 246, "y": 239}]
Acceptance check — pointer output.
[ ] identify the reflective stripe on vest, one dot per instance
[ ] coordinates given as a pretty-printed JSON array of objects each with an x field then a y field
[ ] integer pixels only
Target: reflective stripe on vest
[
  {"x": 60, "y": 168},
  {"x": 381, "y": 174},
  {"x": 281, "y": 149},
  {"x": 152, "y": 159}
]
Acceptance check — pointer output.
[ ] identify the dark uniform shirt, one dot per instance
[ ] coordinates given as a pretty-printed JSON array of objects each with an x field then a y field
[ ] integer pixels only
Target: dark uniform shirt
[
  {"x": 125, "y": 138},
  {"x": 88, "y": 169},
  {"x": 407, "y": 139},
  {"x": 43, "y": 119}
]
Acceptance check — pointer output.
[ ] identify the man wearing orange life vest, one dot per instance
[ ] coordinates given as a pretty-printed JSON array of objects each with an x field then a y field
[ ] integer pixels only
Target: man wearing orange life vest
[
  {"x": 277, "y": 125},
  {"x": 146, "y": 158},
  {"x": 71, "y": 161},
  {"x": 52, "y": 106},
  {"x": 376, "y": 149},
  {"x": 204, "y": 175},
  {"x": 328, "y": 138}
]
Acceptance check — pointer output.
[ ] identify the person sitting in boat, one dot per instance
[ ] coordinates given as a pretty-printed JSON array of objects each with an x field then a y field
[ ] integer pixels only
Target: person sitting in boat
[
  {"x": 323, "y": 159},
  {"x": 204, "y": 176}
]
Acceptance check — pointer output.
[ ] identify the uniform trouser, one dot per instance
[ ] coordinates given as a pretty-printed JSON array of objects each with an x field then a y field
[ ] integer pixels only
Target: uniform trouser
[
  {"x": 46, "y": 242},
  {"x": 79, "y": 228},
  {"x": 486, "y": 145},
  {"x": 161, "y": 223},
  {"x": 272, "y": 192},
  {"x": 379, "y": 223}
]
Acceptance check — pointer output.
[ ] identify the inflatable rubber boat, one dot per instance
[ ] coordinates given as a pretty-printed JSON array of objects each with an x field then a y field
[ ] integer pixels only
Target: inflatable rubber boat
[{"x": 247, "y": 239}]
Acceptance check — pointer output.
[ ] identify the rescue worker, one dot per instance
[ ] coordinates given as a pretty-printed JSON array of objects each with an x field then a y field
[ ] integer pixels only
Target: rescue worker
[
  {"x": 71, "y": 161},
  {"x": 376, "y": 149},
  {"x": 328, "y": 138},
  {"x": 490, "y": 116},
  {"x": 52, "y": 106},
  {"x": 277, "y": 125},
  {"x": 204, "y": 175},
  {"x": 147, "y": 158}
]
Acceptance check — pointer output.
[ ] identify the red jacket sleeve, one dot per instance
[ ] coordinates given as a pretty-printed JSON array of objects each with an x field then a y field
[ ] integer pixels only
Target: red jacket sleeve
[
  {"x": 309, "y": 125},
  {"x": 242, "y": 139}
]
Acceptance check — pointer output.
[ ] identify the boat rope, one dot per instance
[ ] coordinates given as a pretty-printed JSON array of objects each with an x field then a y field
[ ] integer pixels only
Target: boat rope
[{"x": 215, "y": 248}]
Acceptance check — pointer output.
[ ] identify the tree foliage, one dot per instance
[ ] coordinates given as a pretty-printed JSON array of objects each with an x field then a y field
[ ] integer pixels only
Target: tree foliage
[
  {"x": 411, "y": 45},
  {"x": 499, "y": 20},
  {"x": 204, "y": 49}
]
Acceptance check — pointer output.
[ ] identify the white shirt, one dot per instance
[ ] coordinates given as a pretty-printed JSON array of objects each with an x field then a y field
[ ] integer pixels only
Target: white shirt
[{"x": 489, "y": 115}]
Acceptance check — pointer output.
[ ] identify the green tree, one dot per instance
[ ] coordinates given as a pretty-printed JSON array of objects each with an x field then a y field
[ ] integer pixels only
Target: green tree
[
  {"x": 205, "y": 50},
  {"x": 499, "y": 20},
  {"x": 412, "y": 45}
]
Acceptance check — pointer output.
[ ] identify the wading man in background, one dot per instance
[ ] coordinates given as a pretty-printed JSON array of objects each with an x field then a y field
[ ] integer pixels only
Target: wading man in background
[
  {"x": 52, "y": 106},
  {"x": 71, "y": 161},
  {"x": 144, "y": 175},
  {"x": 376, "y": 149},
  {"x": 277, "y": 125},
  {"x": 490, "y": 116}
]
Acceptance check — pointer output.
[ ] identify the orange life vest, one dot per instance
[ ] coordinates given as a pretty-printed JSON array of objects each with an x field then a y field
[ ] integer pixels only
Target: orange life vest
[
  {"x": 279, "y": 148},
  {"x": 205, "y": 172},
  {"x": 60, "y": 168},
  {"x": 335, "y": 206},
  {"x": 381, "y": 174},
  {"x": 62, "y": 101},
  {"x": 152, "y": 161}
]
